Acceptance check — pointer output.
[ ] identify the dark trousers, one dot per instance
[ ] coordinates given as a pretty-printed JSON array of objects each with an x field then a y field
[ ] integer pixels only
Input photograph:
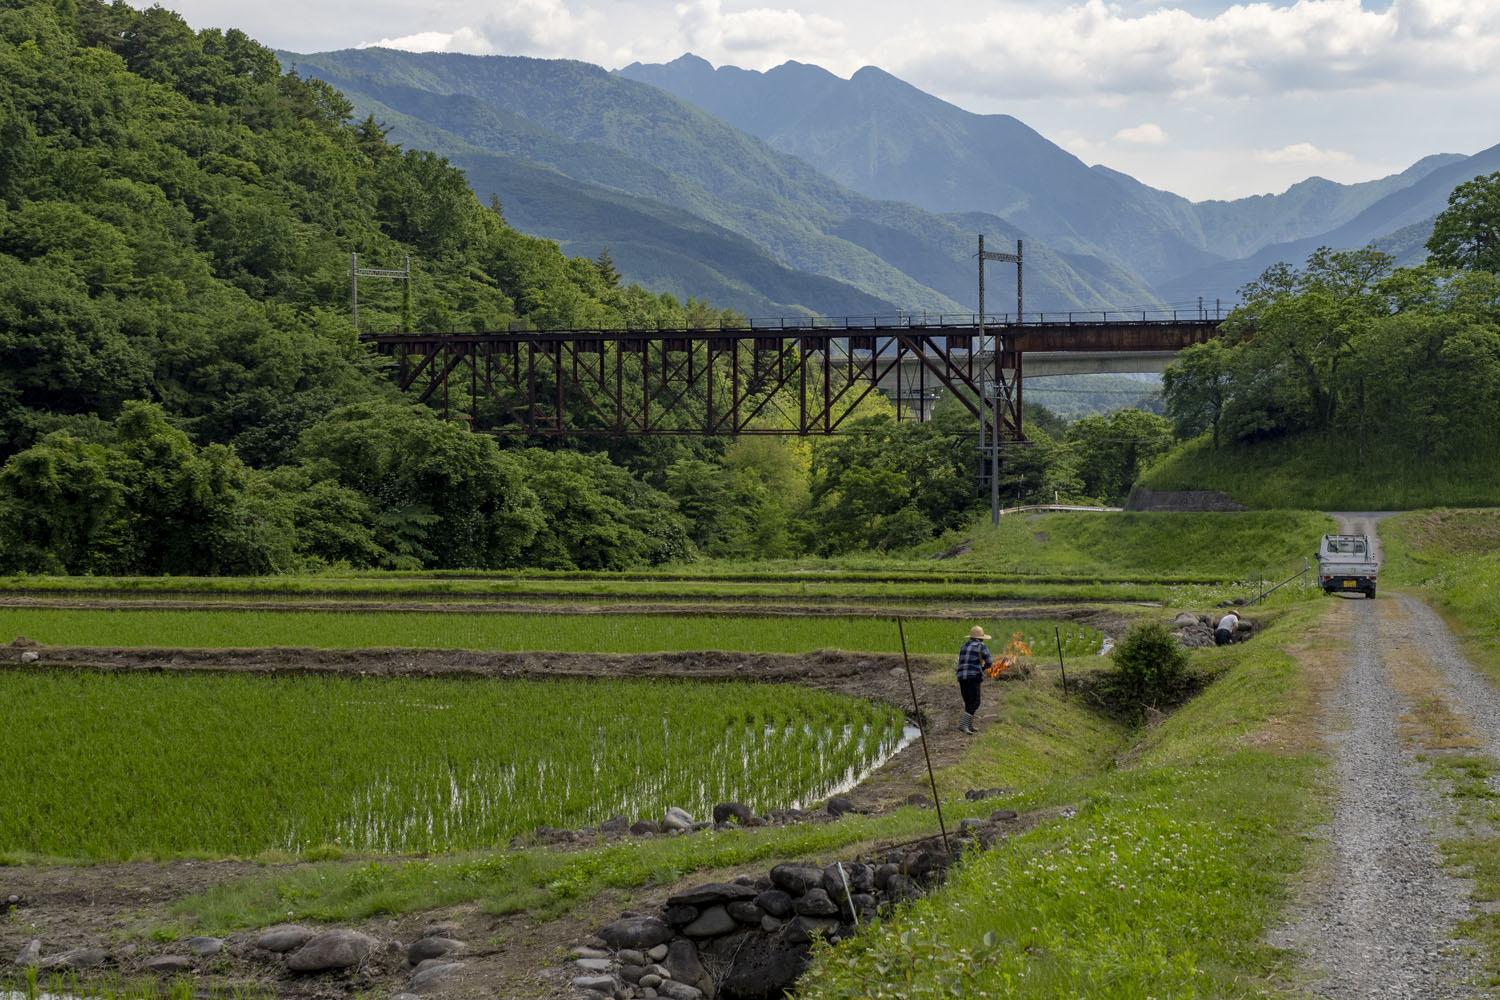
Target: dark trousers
[
  {"x": 970, "y": 690},
  {"x": 1222, "y": 636}
]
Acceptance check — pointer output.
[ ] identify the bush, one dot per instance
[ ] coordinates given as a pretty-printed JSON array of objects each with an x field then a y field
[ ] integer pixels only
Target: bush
[{"x": 1151, "y": 669}]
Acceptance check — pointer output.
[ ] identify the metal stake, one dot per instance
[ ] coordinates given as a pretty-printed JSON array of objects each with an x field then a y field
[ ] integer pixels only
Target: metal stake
[
  {"x": 922, "y": 731},
  {"x": 1060, "y": 665}
]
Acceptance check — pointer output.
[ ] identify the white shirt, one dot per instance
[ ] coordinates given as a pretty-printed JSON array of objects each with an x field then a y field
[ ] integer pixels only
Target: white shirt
[{"x": 1229, "y": 621}]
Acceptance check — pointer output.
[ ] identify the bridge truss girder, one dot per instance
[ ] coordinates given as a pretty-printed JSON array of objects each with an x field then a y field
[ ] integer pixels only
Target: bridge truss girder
[{"x": 615, "y": 383}]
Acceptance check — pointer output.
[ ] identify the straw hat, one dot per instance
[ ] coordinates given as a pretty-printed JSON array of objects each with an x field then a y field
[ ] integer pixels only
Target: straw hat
[{"x": 977, "y": 633}]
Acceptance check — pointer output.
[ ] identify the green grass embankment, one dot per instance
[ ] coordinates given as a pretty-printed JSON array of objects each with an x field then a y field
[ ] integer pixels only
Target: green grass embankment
[
  {"x": 1453, "y": 558},
  {"x": 1162, "y": 884},
  {"x": 1329, "y": 472},
  {"x": 1155, "y": 545}
]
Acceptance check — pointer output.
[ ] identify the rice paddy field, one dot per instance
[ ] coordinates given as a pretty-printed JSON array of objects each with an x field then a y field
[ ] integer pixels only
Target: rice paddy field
[
  {"x": 627, "y": 633},
  {"x": 116, "y": 766}
]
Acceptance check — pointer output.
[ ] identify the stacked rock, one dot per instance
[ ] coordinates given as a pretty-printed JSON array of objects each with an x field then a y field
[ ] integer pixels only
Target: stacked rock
[{"x": 750, "y": 938}]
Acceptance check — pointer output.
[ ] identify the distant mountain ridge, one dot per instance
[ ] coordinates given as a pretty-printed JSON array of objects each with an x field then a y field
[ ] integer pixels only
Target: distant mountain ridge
[
  {"x": 795, "y": 191},
  {"x": 567, "y": 147},
  {"x": 887, "y": 139}
]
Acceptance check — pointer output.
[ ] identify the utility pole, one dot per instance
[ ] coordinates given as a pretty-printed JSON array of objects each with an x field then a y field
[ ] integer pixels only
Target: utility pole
[
  {"x": 990, "y": 438},
  {"x": 356, "y": 272}
]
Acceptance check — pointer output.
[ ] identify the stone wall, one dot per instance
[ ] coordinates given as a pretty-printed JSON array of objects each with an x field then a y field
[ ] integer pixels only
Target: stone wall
[{"x": 749, "y": 939}]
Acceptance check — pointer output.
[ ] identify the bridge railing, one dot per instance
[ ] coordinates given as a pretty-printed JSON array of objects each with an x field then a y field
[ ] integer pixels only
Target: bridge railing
[{"x": 929, "y": 320}]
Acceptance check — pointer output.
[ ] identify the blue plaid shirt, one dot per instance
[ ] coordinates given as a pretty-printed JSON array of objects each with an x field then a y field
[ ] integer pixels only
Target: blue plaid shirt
[{"x": 973, "y": 657}]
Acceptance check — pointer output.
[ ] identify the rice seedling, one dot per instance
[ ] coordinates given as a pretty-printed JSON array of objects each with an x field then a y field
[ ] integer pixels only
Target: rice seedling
[{"x": 118, "y": 766}]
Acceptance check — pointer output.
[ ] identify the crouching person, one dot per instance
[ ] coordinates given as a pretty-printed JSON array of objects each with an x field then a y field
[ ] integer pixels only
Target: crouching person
[{"x": 1224, "y": 631}]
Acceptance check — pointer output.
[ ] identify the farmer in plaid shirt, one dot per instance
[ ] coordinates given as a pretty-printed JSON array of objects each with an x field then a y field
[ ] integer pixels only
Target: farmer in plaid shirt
[{"x": 973, "y": 659}]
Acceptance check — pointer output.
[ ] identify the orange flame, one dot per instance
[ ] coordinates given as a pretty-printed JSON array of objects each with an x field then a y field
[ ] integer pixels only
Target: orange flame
[{"x": 1014, "y": 650}]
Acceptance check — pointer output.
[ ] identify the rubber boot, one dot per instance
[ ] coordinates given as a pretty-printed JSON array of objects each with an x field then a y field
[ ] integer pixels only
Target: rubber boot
[{"x": 966, "y": 724}]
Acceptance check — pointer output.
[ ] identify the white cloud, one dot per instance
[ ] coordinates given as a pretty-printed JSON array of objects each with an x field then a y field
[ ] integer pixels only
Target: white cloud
[
  {"x": 1301, "y": 152},
  {"x": 1255, "y": 49},
  {"x": 1144, "y": 134},
  {"x": 463, "y": 40},
  {"x": 758, "y": 38}
]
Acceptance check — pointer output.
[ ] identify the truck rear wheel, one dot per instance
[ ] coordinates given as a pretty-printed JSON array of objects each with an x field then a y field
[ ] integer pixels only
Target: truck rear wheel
[{"x": 1370, "y": 593}]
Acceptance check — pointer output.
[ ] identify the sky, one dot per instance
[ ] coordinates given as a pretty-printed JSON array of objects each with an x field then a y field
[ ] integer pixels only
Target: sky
[{"x": 1206, "y": 99}]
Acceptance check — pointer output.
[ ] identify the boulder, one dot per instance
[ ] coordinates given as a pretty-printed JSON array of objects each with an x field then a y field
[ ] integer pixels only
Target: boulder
[
  {"x": 427, "y": 978},
  {"x": 1002, "y": 815},
  {"x": 595, "y": 964},
  {"x": 431, "y": 947},
  {"x": 858, "y": 877},
  {"x": 630, "y": 956},
  {"x": 713, "y": 892},
  {"x": 682, "y": 962},
  {"x": 919, "y": 800},
  {"x": 681, "y": 914},
  {"x": 76, "y": 958},
  {"x": 205, "y": 946},
  {"x": 598, "y": 984},
  {"x": 815, "y": 903},
  {"x": 711, "y": 923},
  {"x": 284, "y": 938},
  {"x": 883, "y": 874},
  {"x": 167, "y": 965},
  {"x": 737, "y": 811},
  {"x": 677, "y": 819},
  {"x": 678, "y": 991},
  {"x": 641, "y": 827},
  {"x": 335, "y": 949},
  {"x": 745, "y": 911},
  {"x": 803, "y": 929},
  {"x": 636, "y": 932},
  {"x": 658, "y": 953},
  {"x": 30, "y": 656},
  {"x": 615, "y": 824},
  {"x": 797, "y": 879},
  {"x": 838, "y": 806},
  {"x": 775, "y": 902}
]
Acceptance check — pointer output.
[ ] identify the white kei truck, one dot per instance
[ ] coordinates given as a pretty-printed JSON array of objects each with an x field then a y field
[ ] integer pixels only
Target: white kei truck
[{"x": 1346, "y": 565}]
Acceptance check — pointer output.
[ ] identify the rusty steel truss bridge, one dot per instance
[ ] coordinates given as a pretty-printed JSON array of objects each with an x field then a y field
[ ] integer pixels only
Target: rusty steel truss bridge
[{"x": 804, "y": 376}]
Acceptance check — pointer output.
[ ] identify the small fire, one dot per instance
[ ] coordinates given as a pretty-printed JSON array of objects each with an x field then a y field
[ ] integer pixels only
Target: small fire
[{"x": 1014, "y": 650}]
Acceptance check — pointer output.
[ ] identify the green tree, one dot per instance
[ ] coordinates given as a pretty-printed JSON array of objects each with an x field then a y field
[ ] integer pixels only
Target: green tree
[
  {"x": 1111, "y": 452},
  {"x": 439, "y": 496},
  {"x": 1197, "y": 387},
  {"x": 1467, "y": 233}
]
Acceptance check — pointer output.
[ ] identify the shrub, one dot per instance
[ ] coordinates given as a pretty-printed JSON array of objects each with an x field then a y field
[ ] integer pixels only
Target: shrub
[{"x": 1151, "y": 668}]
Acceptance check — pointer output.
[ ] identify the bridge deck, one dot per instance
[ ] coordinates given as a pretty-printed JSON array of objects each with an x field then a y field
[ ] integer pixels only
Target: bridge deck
[{"x": 789, "y": 376}]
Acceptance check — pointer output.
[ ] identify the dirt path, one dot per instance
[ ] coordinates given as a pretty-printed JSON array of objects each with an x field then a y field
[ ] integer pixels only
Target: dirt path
[{"x": 1379, "y": 923}]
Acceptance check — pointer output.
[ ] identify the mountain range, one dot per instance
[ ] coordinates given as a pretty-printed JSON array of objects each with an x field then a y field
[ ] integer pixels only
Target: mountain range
[{"x": 797, "y": 191}]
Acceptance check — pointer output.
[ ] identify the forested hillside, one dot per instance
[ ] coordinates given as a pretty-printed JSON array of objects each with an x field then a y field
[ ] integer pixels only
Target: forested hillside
[
  {"x": 1351, "y": 382},
  {"x": 181, "y": 388}
]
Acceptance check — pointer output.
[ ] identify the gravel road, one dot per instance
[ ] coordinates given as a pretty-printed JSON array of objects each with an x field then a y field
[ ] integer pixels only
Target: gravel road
[{"x": 1379, "y": 923}]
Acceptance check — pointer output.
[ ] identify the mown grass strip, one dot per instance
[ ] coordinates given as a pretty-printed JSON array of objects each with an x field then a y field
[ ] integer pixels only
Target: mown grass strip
[
  {"x": 121, "y": 766},
  {"x": 595, "y": 633}
]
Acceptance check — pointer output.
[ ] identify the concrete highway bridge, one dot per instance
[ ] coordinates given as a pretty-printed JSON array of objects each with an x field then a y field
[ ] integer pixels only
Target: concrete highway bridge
[{"x": 802, "y": 376}]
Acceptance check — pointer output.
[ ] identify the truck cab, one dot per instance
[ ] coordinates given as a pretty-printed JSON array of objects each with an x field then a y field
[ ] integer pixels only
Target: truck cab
[{"x": 1346, "y": 565}]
